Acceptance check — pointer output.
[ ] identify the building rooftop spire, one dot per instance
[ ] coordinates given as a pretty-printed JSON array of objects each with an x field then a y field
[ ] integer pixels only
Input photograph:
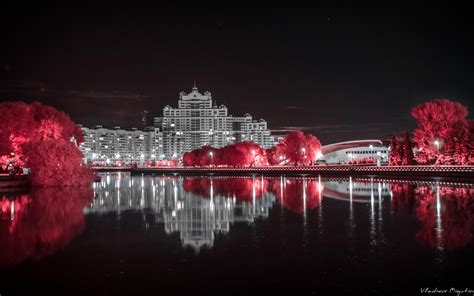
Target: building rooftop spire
[{"x": 195, "y": 86}]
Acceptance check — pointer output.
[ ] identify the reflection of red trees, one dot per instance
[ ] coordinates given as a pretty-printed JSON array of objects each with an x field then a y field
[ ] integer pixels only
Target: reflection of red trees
[
  {"x": 457, "y": 217},
  {"x": 426, "y": 214},
  {"x": 293, "y": 193},
  {"x": 43, "y": 223},
  {"x": 43, "y": 139},
  {"x": 242, "y": 189},
  {"x": 199, "y": 185},
  {"x": 403, "y": 195}
]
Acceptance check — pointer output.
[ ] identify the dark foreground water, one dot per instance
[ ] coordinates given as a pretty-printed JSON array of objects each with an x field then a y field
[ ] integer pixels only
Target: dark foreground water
[{"x": 238, "y": 236}]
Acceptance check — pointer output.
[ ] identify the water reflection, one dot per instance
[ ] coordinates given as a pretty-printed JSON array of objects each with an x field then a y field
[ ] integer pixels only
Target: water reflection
[
  {"x": 41, "y": 222},
  {"x": 196, "y": 208},
  {"x": 446, "y": 216}
]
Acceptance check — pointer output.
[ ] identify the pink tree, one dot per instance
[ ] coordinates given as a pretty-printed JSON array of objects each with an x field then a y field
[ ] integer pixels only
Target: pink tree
[
  {"x": 43, "y": 139},
  {"x": 407, "y": 151},
  {"x": 298, "y": 148},
  {"x": 441, "y": 126},
  {"x": 244, "y": 154},
  {"x": 189, "y": 158}
]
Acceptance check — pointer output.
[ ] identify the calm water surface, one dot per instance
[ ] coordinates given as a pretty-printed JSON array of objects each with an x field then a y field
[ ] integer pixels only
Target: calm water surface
[{"x": 229, "y": 235}]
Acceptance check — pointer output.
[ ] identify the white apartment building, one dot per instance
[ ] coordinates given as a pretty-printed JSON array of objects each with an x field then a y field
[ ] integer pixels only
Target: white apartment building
[
  {"x": 110, "y": 145},
  {"x": 198, "y": 121}
]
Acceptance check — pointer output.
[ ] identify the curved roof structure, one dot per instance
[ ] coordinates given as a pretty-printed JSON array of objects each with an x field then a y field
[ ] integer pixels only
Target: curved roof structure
[{"x": 348, "y": 144}]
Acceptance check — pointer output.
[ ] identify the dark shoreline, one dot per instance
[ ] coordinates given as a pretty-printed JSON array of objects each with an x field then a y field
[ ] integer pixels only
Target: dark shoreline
[
  {"x": 455, "y": 173},
  {"x": 461, "y": 174}
]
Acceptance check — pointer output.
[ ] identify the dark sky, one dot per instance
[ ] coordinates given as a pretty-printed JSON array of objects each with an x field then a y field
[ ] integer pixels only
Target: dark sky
[{"x": 340, "y": 72}]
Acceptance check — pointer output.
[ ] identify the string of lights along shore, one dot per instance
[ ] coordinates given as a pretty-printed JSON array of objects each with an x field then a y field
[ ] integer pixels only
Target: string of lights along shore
[{"x": 197, "y": 121}]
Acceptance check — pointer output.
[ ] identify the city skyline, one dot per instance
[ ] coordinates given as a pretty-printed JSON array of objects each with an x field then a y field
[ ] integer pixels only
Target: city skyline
[{"x": 196, "y": 121}]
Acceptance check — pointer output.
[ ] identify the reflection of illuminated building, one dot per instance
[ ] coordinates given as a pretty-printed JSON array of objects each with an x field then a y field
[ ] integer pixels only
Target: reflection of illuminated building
[
  {"x": 356, "y": 191},
  {"x": 195, "y": 217}
]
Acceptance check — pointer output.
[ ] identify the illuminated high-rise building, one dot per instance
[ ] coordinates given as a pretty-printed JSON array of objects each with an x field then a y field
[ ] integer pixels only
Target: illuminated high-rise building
[{"x": 198, "y": 121}]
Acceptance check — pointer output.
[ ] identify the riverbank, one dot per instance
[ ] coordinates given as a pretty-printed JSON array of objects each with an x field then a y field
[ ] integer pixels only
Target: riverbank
[
  {"x": 462, "y": 172},
  {"x": 13, "y": 181}
]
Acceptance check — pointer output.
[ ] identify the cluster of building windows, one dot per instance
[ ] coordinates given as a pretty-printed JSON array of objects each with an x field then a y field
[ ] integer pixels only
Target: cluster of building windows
[
  {"x": 366, "y": 189},
  {"x": 114, "y": 145},
  {"x": 366, "y": 152}
]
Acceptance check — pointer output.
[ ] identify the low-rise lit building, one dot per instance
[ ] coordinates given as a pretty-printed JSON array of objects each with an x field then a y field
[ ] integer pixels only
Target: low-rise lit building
[
  {"x": 120, "y": 145},
  {"x": 354, "y": 151}
]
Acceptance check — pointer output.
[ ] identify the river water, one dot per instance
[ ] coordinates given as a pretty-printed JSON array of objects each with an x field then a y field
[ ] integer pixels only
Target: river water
[{"x": 238, "y": 236}]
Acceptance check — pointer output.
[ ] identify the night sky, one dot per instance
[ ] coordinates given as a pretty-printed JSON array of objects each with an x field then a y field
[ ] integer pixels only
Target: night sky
[{"x": 342, "y": 73}]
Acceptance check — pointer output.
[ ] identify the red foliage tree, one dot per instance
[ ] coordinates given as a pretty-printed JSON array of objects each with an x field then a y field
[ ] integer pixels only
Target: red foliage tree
[
  {"x": 297, "y": 148},
  {"x": 236, "y": 155},
  {"x": 442, "y": 125},
  {"x": 407, "y": 151},
  {"x": 189, "y": 159},
  {"x": 273, "y": 158},
  {"x": 56, "y": 163},
  {"x": 243, "y": 154},
  {"x": 395, "y": 157},
  {"x": 45, "y": 140}
]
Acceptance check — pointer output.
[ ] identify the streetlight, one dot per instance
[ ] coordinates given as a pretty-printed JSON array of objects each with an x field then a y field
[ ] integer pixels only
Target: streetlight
[
  {"x": 211, "y": 154},
  {"x": 436, "y": 142}
]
